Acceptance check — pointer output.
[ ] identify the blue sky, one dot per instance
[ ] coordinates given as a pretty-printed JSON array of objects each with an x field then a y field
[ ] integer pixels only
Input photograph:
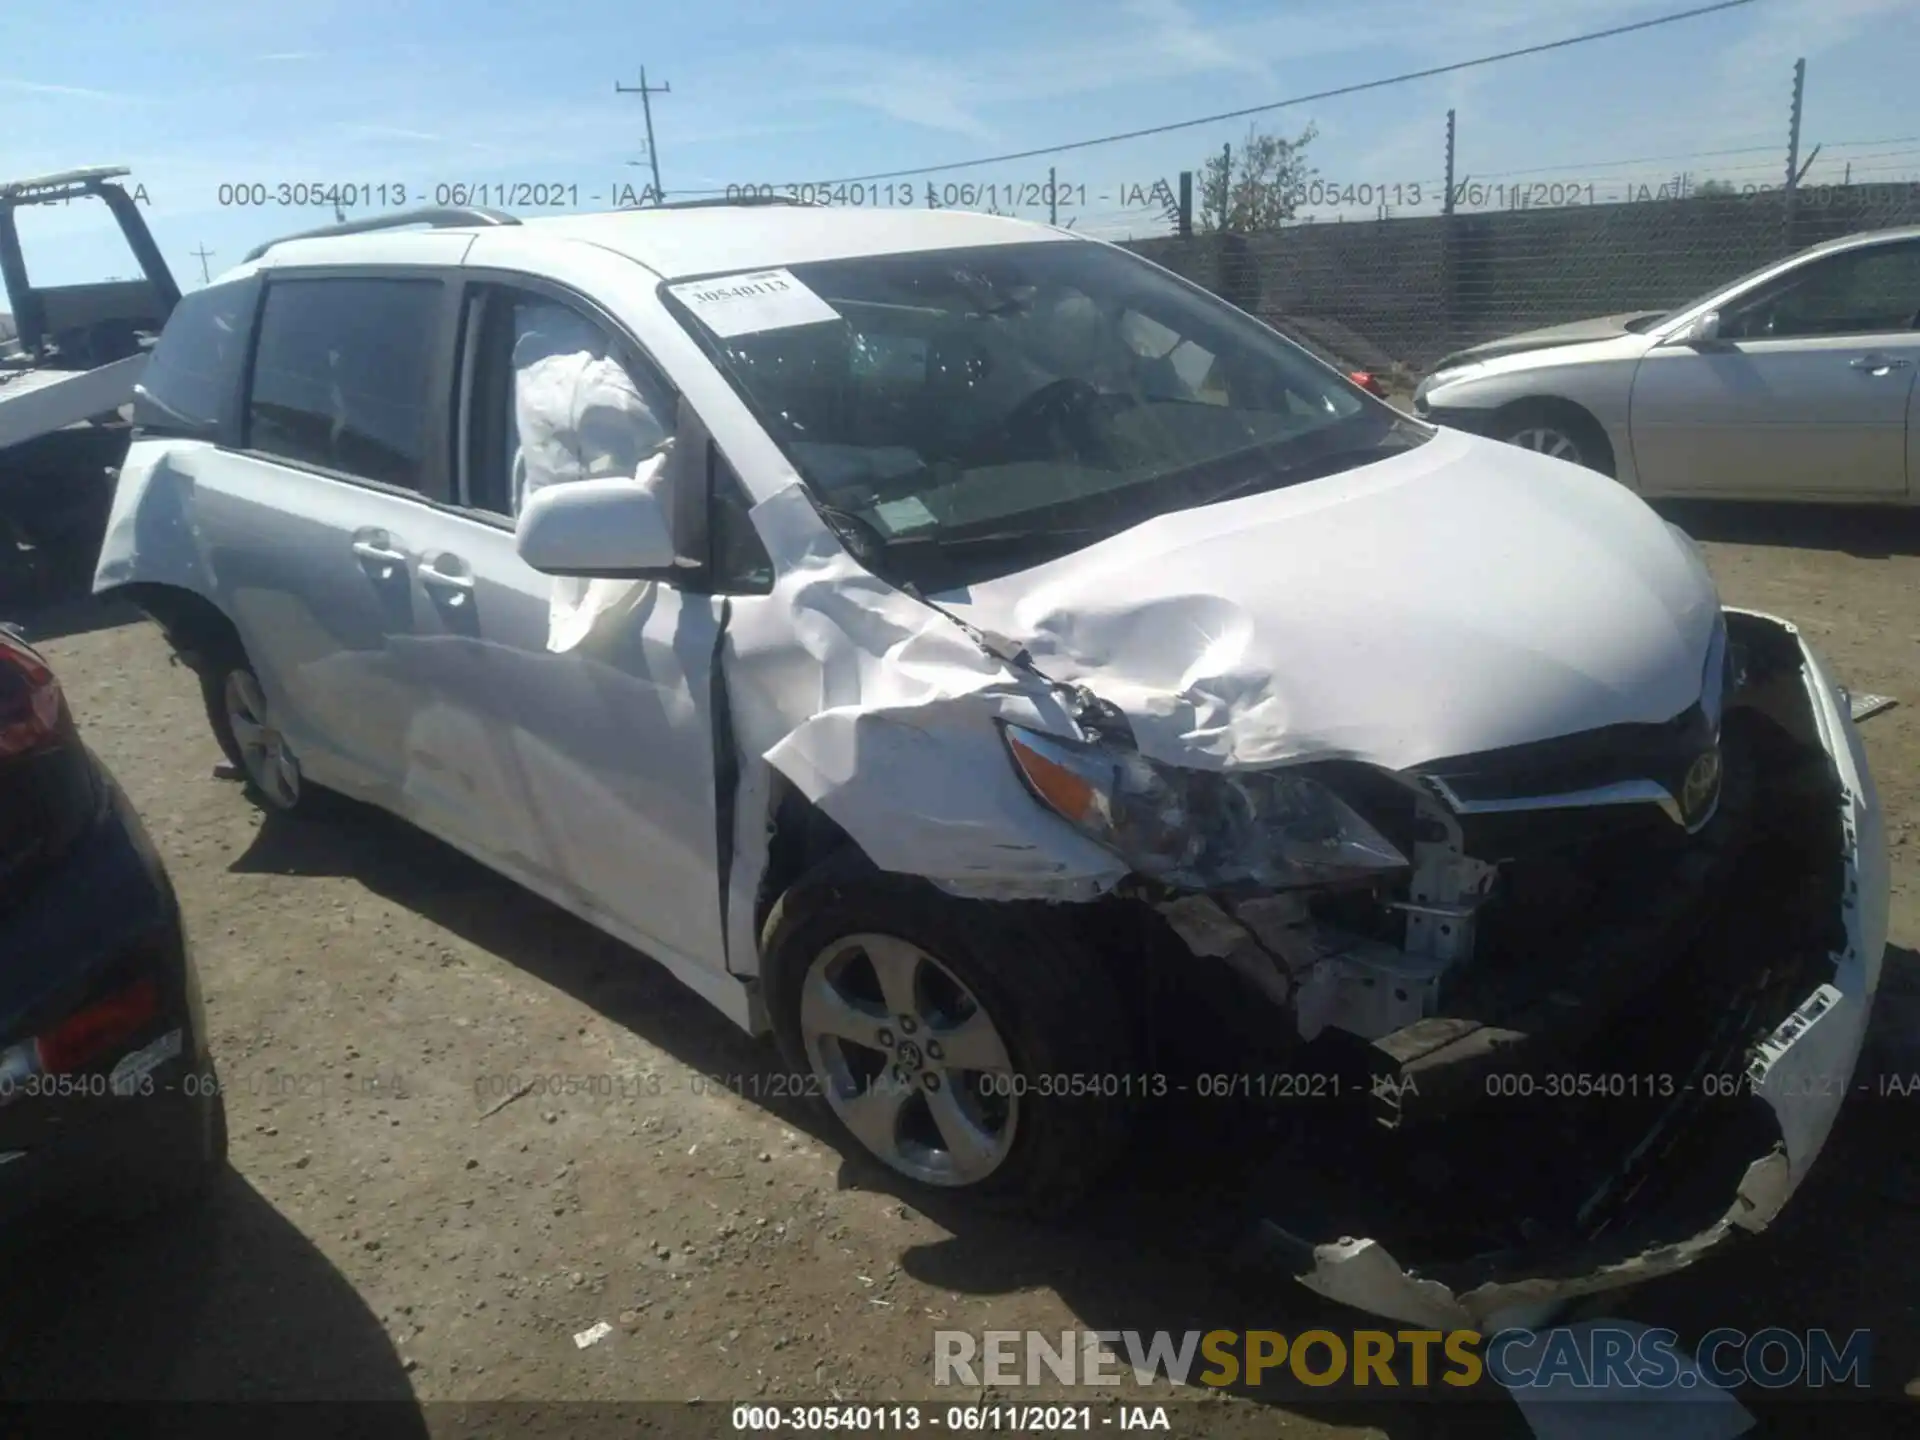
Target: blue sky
[{"x": 196, "y": 94}]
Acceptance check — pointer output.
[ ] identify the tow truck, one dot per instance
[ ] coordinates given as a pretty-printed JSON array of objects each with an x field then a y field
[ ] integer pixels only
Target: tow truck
[{"x": 66, "y": 381}]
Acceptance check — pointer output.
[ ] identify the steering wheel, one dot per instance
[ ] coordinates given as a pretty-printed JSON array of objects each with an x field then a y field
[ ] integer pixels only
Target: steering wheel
[{"x": 1065, "y": 407}]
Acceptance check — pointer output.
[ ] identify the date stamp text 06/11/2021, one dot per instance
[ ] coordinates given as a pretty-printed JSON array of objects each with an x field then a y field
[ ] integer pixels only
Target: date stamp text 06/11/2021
[
  {"x": 1045, "y": 195},
  {"x": 759, "y": 1087},
  {"x": 1289, "y": 1086}
]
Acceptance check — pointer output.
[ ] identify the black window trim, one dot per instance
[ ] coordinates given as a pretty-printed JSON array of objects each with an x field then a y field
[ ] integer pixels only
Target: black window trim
[
  {"x": 715, "y": 583},
  {"x": 434, "y": 463}
]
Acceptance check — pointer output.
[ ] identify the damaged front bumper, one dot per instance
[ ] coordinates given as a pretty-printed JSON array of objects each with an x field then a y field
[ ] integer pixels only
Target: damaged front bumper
[{"x": 1701, "y": 1107}]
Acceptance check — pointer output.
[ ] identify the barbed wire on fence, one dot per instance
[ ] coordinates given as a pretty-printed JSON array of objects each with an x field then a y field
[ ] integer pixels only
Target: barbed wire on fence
[{"x": 1401, "y": 293}]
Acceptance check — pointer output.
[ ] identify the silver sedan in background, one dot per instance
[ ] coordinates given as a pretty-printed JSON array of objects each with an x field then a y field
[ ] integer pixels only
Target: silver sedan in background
[{"x": 1795, "y": 382}]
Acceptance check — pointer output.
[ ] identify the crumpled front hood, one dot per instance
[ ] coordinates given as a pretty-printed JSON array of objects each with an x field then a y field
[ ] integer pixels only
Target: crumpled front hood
[
  {"x": 1459, "y": 597},
  {"x": 1577, "y": 332}
]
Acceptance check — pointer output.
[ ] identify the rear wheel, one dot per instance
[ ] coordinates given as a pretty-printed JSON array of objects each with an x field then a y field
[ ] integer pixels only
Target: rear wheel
[
  {"x": 970, "y": 1047},
  {"x": 248, "y": 733}
]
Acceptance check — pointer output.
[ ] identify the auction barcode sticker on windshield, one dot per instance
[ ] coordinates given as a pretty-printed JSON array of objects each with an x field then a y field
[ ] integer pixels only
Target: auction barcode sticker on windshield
[{"x": 733, "y": 305}]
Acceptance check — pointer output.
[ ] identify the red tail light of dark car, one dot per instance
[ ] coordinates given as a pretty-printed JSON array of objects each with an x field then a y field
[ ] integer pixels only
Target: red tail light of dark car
[
  {"x": 33, "y": 712},
  {"x": 47, "y": 791}
]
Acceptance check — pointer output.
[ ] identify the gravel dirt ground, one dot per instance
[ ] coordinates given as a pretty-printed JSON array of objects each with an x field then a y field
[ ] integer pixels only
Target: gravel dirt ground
[{"x": 401, "y": 1223}]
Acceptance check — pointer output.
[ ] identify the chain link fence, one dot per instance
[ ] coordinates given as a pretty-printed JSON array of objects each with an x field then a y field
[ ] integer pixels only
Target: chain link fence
[{"x": 1395, "y": 295}]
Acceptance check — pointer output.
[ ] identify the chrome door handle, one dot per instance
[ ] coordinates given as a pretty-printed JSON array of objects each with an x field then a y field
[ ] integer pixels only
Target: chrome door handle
[
  {"x": 380, "y": 548},
  {"x": 1879, "y": 364},
  {"x": 449, "y": 573}
]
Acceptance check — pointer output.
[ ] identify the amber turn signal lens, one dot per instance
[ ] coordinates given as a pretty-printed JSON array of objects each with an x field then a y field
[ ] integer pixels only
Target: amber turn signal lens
[{"x": 1066, "y": 791}]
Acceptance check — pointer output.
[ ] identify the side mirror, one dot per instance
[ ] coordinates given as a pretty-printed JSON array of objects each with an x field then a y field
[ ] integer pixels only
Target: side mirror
[
  {"x": 1701, "y": 333},
  {"x": 615, "y": 529}
]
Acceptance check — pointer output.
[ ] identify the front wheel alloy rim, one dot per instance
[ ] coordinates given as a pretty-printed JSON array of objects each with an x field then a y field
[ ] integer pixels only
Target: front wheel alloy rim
[
  {"x": 1547, "y": 441},
  {"x": 263, "y": 749},
  {"x": 908, "y": 1059}
]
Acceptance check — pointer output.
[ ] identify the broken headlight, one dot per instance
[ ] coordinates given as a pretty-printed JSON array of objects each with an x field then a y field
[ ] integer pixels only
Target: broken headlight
[{"x": 1275, "y": 828}]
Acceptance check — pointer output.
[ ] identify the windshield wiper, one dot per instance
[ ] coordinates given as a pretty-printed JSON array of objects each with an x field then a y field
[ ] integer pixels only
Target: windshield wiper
[
  {"x": 861, "y": 534},
  {"x": 962, "y": 539},
  {"x": 1314, "y": 467}
]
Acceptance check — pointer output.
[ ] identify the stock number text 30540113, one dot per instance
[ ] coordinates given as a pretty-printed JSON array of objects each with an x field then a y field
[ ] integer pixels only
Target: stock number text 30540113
[
  {"x": 902, "y": 194},
  {"x": 394, "y": 194},
  {"x": 972, "y": 1418}
]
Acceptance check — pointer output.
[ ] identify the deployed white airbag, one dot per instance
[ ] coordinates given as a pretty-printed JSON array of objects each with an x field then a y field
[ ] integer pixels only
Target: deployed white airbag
[{"x": 579, "y": 416}]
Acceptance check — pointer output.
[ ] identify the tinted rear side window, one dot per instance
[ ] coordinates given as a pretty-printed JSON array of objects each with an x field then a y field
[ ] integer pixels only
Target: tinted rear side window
[
  {"x": 194, "y": 371},
  {"x": 341, "y": 375}
]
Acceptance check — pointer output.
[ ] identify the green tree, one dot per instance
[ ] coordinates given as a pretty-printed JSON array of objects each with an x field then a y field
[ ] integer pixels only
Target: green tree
[{"x": 1255, "y": 185}]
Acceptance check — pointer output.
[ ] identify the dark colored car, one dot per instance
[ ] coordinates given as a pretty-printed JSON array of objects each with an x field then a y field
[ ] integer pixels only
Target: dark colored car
[{"x": 108, "y": 1097}]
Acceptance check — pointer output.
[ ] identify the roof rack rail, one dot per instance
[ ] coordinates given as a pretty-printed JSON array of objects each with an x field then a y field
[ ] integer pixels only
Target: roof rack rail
[
  {"x": 722, "y": 201},
  {"x": 439, "y": 217},
  {"x": 44, "y": 189}
]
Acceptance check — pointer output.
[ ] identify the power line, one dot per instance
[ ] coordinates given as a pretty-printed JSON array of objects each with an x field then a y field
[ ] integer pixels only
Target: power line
[
  {"x": 1338, "y": 91},
  {"x": 1882, "y": 154},
  {"x": 1582, "y": 166}
]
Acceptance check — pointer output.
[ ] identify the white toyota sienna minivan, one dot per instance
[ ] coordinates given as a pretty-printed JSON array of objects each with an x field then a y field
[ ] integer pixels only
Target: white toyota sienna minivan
[{"x": 975, "y": 654}]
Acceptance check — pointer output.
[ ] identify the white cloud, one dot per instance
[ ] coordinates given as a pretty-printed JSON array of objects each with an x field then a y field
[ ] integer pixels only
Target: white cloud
[
  {"x": 1171, "y": 25},
  {"x": 1792, "y": 29},
  {"x": 1162, "y": 40},
  {"x": 81, "y": 92},
  {"x": 390, "y": 132}
]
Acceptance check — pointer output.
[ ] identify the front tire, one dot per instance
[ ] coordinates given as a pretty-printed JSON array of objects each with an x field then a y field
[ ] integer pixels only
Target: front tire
[
  {"x": 972, "y": 1047},
  {"x": 1560, "y": 431}
]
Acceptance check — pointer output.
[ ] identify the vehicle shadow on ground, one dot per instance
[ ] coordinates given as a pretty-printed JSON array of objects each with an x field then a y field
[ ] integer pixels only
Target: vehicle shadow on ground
[
  {"x": 1871, "y": 532},
  {"x": 1845, "y": 1254},
  {"x": 1165, "y": 1246},
  {"x": 219, "y": 1299},
  {"x": 80, "y": 614},
  {"x": 1842, "y": 1257},
  {"x": 1161, "y": 1251}
]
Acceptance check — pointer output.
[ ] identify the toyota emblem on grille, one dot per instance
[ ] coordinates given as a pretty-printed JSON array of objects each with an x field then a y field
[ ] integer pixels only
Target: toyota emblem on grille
[{"x": 1702, "y": 784}]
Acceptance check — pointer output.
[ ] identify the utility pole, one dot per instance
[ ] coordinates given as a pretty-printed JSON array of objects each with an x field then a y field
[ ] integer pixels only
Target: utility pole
[
  {"x": 1793, "y": 123},
  {"x": 1226, "y": 185},
  {"x": 1793, "y": 148},
  {"x": 1455, "y": 312},
  {"x": 202, "y": 254},
  {"x": 646, "y": 93},
  {"x": 1053, "y": 199},
  {"x": 1186, "y": 204}
]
